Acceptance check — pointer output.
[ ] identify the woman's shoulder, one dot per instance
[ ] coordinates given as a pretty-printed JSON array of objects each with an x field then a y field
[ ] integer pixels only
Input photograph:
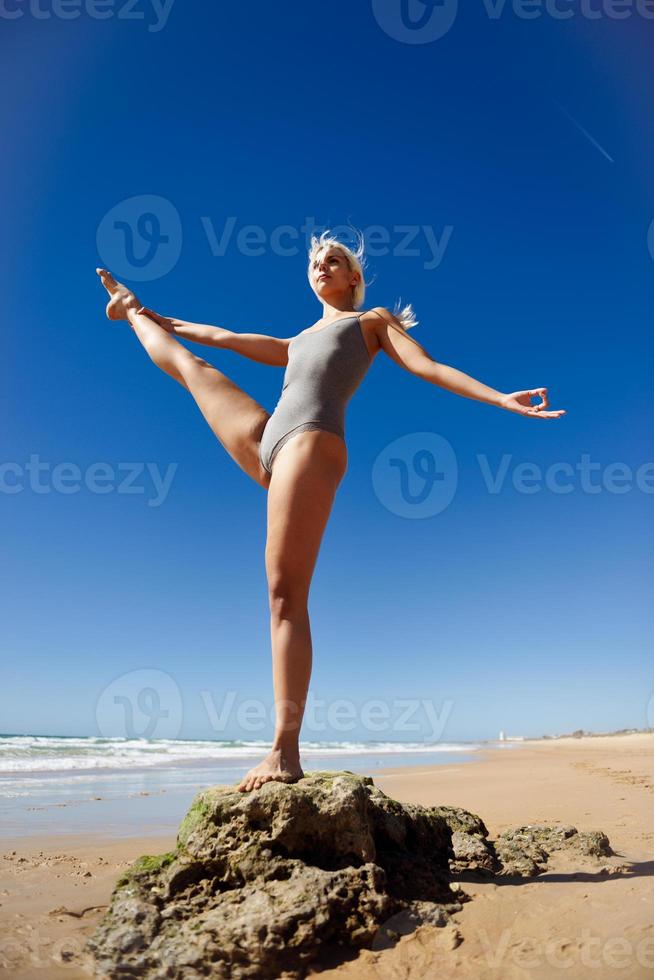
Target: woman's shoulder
[
  {"x": 379, "y": 314},
  {"x": 383, "y": 312},
  {"x": 374, "y": 321}
]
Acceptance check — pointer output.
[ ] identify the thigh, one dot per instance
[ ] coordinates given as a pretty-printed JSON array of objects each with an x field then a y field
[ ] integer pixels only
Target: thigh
[
  {"x": 235, "y": 418},
  {"x": 306, "y": 474}
]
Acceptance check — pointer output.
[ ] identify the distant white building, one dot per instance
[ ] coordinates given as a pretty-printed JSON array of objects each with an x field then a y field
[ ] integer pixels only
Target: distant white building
[{"x": 511, "y": 738}]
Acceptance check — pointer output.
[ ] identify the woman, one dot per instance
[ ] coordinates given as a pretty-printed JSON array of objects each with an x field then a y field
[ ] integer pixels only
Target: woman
[{"x": 298, "y": 454}]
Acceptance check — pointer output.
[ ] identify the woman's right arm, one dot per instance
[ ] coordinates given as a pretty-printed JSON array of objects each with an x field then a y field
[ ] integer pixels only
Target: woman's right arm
[{"x": 256, "y": 346}]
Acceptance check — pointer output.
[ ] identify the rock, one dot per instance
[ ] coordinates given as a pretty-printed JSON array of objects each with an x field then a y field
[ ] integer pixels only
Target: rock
[
  {"x": 473, "y": 852},
  {"x": 519, "y": 854},
  {"x": 525, "y": 850},
  {"x": 263, "y": 884},
  {"x": 594, "y": 843}
]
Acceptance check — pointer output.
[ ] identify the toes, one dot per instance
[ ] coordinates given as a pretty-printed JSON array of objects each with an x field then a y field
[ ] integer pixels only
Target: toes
[
  {"x": 108, "y": 280},
  {"x": 254, "y": 781},
  {"x": 250, "y": 783}
]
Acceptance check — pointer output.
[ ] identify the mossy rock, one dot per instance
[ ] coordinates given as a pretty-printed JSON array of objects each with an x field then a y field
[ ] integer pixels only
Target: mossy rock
[
  {"x": 287, "y": 878},
  {"x": 264, "y": 884}
]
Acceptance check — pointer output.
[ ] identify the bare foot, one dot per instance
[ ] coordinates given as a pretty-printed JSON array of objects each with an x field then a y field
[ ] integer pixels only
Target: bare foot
[
  {"x": 122, "y": 299},
  {"x": 278, "y": 766}
]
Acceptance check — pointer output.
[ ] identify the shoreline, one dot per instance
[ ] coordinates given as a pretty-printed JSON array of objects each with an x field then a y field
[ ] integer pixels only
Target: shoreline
[
  {"x": 216, "y": 761},
  {"x": 131, "y": 802},
  {"x": 156, "y": 811},
  {"x": 446, "y": 748},
  {"x": 483, "y": 755}
]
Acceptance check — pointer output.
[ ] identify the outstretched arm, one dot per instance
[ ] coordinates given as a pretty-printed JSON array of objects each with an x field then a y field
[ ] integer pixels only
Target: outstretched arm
[
  {"x": 256, "y": 346},
  {"x": 408, "y": 353}
]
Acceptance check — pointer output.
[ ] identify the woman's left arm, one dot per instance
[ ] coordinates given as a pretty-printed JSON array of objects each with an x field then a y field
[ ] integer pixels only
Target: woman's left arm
[{"x": 408, "y": 353}]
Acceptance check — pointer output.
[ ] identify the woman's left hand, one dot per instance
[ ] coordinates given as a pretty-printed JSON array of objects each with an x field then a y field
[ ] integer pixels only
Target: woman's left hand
[{"x": 520, "y": 402}]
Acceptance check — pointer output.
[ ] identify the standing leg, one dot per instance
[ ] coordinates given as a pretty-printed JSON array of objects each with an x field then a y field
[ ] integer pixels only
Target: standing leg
[{"x": 306, "y": 475}]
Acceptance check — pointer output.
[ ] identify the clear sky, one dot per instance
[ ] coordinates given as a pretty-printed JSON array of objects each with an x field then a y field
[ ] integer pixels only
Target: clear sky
[{"x": 502, "y": 170}]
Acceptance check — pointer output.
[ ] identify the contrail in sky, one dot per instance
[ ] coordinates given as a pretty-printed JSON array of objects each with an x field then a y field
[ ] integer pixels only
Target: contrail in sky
[{"x": 585, "y": 132}]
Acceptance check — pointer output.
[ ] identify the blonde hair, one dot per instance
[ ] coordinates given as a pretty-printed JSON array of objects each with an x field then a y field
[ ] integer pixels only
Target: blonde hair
[{"x": 356, "y": 261}]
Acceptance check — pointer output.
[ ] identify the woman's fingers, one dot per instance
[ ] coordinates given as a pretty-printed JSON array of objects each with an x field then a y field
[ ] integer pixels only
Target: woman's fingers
[
  {"x": 163, "y": 321},
  {"x": 520, "y": 401},
  {"x": 546, "y": 415},
  {"x": 542, "y": 394}
]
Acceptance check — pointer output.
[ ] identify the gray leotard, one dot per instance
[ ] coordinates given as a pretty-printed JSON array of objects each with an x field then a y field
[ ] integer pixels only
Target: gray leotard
[{"x": 325, "y": 367}]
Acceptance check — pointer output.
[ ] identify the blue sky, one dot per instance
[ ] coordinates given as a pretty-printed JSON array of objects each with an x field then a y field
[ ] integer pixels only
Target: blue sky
[{"x": 523, "y": 148}]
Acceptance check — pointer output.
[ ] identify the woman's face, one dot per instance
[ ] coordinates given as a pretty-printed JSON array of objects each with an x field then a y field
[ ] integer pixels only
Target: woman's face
[{"x": 331, "y": 276}]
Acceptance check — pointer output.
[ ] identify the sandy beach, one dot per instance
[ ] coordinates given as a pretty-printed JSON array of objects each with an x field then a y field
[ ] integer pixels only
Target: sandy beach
[{"x": 582, "y": 918}]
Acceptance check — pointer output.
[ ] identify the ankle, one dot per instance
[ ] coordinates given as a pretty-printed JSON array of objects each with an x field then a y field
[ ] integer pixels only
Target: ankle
[
  {"x": 289, "y": 748},
  {"x": 133, "y": 310}
]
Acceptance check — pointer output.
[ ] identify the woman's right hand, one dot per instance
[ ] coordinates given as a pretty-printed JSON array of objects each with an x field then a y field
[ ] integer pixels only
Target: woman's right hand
[{"x": 167, "y": 322}]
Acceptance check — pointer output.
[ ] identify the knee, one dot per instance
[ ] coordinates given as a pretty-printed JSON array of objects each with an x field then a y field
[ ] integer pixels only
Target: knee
[
  {"x": 287, "y": 598},
  {"x": 191, "y": 367}
]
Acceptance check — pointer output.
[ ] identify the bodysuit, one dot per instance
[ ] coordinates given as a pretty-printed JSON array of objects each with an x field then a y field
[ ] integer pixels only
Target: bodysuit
[{"x": 325, "y": 367}]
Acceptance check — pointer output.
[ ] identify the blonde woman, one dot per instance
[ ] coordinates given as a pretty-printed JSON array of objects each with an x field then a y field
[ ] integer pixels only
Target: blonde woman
[{"x": 298, "y": 454}]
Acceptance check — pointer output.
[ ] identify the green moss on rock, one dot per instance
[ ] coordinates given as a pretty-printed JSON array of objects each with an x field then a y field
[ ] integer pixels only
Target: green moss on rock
[
  {"x": 147, "y": 864},
  {"x": 197, "y": 814}
]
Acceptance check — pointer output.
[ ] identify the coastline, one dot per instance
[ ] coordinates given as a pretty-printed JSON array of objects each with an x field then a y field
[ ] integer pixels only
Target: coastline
[
  {"x": 598, "y": 919},
  {"x": 152, "y": 798}
]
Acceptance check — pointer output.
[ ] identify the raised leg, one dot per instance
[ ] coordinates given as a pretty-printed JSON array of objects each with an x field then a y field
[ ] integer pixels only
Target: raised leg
[
  {"x": 236, "y": 419},
  {"x": 305, "y": 478}
]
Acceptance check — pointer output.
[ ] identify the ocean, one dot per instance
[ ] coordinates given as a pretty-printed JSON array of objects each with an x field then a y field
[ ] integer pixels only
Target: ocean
[{"x": 130, "y": 786}]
